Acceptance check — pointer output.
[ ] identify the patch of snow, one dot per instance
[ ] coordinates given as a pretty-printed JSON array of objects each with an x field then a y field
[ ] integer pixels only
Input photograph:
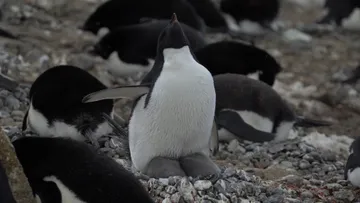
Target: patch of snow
[{"x": 296, "y": 35}]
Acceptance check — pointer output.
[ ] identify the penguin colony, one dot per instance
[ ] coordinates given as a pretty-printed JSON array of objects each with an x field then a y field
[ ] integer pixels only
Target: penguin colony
[{"x": 193, "y": 94}]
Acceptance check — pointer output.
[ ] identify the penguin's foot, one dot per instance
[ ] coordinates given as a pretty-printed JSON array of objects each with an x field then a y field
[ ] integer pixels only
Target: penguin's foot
[
  {"x": 199, "y": 165},
  {"x": 161, "y": 167}
]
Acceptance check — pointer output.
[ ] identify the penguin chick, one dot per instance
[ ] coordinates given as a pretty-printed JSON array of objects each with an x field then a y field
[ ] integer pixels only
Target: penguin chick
[
  {"x": 338, "y": 10},
  {"x": 262, "y": 12},
  {"x": 211, "y": 15},
  {"x": 56, "y": 107},
  {"x": 172, "y": 120},
  {"x": 113, "y": 13},
  {"x": 68, "y": 171},
  {"x": 250, "y": 109},
  {"x": 352, "y": 167},
  {"x": 135, "y": 45},
  {"x": 235, "y": 57},
  {"x": 6, "y": 195}
]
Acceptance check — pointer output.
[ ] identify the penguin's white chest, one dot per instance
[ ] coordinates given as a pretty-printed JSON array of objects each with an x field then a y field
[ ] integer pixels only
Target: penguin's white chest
[{"x": 179, "y": 115}]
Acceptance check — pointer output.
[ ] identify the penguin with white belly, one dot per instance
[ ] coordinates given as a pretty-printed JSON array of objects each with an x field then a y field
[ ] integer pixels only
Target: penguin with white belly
[
  {"x": 63, "y": 170},
  {"x": 172, "y": 121},
  {"x": 352, "y": 167},
  {"x": 251, "y": 110},
  {"x": 56, "y": 107}
]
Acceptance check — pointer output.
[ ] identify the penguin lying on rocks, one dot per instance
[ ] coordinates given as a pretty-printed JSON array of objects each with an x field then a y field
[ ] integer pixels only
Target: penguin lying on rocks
[
  {"x": 235, "y": 57},
  {"x": 135, "y": 45},
  {"x": 251, "y": 110},
  {"x": 114, "y": 13},
  {"x": 172, "y": 121},
  {"x": 56, "y": 107},
  {"x": 63, "y": 170}
]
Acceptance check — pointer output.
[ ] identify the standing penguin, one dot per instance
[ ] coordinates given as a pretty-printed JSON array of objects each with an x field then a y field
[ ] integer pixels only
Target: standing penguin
[
  {"x": 6, "y": 195},
  {"x": 235, "y": 57},
  {"x": 56, "y": 107},
  {"x": 173, "y": 117},
  {"x": 352, "y": 167},
  {"x": 63, "y": 170},
  {"x": 114, "y": 13},
  {"x": 136, "y": 45},
  {"x": 250, "y": 109}
]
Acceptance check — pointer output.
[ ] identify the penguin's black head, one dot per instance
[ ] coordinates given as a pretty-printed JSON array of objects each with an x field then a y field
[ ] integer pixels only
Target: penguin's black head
[
  {"x": 101, "y": 18},
  {"x": 104, "y": 47},
  {"x": 172, "y": 36}
]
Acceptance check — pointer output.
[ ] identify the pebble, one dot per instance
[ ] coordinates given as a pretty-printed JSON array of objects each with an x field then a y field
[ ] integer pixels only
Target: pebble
[{"x": 202, "y": 185}]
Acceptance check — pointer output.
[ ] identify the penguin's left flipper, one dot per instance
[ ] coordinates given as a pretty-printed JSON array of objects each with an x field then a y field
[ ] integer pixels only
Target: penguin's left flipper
[
  {"x": 307, "y": 122},
  {"x": 199, "y": 164},
  {"x": 233, "y": 122},
  {"x": 214, "y": 139},
  {"x": 162, "y": 167},
  {"x": 131, "y": 92}
]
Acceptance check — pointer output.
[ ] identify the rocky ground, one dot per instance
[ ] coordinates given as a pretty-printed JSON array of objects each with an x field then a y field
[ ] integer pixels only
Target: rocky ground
[{"x": 306, "y": 168}]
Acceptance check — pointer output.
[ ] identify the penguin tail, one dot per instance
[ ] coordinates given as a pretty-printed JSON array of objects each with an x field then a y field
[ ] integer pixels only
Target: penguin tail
[
  {"x": 233, "y": 122},
  {"x": 308, "y": 123}
]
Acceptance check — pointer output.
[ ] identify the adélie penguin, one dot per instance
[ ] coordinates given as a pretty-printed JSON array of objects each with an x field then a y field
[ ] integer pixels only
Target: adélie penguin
[
  {"x": 239, "y": 58},
  {"x": 135, "y": 46},
  {"x": 172, "y": 121},
  {"x": 338, "y": 11},
  {"x": 249, "y": 109},
  {"x": 56, "y": 107},
  {"x": 114, "y": 13},
  {"x": 352, "y": 167},
  {"x": 63, "y": 170},
  {"x": 6, "y": 195}
]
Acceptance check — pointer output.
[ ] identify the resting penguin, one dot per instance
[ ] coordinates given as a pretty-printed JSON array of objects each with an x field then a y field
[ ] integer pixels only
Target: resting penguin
[
  {"x": 135, "y": 46},
  {"x": 213, "y": 18},
  {"x": 352, "y": 167},
  {"x": 63, "y": 170},
  {"x": 56, "y": 107},
  {"x": 235, "y": 57},
  {"x": 251, "y": 13},
  {"x": 339, "y": 10},
  {"x": 114, "y": 13},
  {"x": 251, "y": 110},
  {"x": 6, "y": 195},
  {"x": 173, "y": 117}
]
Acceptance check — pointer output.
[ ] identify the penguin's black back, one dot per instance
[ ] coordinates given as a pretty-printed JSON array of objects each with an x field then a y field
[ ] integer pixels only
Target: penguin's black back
[
  {"x": 260, "y": 11},
  {"x": 58, "y": 92},
  {"x": 209, "y": 13},
  {"x": 240, "y": 93},
  {"x": 117, "y": 13},
  {"x": 338, "y": 10},
  {"x": 137, "y": 43},
  {"x": 6, "y": 195},
  {"x": 235, "y": 57},
  {"x": 93, "y": 177}
]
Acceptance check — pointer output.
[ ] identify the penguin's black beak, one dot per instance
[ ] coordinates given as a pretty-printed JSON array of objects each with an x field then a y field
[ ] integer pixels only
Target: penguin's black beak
[{"x": 174, "y": 19}]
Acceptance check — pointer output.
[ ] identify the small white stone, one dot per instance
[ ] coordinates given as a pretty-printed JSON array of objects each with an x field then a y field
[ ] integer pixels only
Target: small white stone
[
  {"x": 296, "y": 35},
  {"x": 202, "y": 185}
]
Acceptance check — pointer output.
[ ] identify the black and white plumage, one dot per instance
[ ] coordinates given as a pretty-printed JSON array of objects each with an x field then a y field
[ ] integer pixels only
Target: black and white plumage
[
  {"x": 114, "y": 13},
  {"x": 262, "y": 12},
  {"x": 339, "y": 10},
  {"x": 352, "y": 167},
  {"x": 6, "y": 195},
  {"x": 135, "y": 45},
  {"x": 172, "y": 122},
  {"x": 62, "y": 170},
  {"x": 56, "y": 107},
  {"x": 239, "y": 58},
  {"x": 250, "y": 109}
]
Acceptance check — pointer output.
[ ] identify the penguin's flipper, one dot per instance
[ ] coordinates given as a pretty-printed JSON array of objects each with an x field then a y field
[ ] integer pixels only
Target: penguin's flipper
[
  {"x": 307, "y": 122},
  {"x": 214, "y": 139},
  {"x": 130, "y": 92},
  {"x": 233, "y": 122},
  {"x": 25, "y": 120}
]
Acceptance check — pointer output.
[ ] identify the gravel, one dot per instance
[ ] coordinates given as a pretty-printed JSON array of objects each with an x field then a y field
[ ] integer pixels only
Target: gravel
[{"x": 301, "y": 169}]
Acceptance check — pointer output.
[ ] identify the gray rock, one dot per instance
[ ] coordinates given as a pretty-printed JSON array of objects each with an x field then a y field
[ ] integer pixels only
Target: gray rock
[
  {"x": 12, "y": 102},
  {"x": 202, "y": 184},
  {"x": 345, "y": 195}
]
